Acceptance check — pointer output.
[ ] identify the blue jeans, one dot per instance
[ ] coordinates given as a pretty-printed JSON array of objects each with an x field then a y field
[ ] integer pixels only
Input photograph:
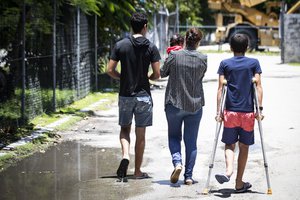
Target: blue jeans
[{"x": 191, "y": 120}]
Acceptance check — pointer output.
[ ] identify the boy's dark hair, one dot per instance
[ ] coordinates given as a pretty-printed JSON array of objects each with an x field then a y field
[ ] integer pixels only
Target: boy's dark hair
[
  {"x": 176, "y": 39},
  {"x": 239, "y": 43},
  {"x": 192, "y": 37},
  {"x": 138, "y": 21}
]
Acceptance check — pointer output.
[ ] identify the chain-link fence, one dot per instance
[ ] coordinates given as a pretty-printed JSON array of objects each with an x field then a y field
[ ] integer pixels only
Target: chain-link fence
[
  {"x": 51, "y": 55},
  {"x": 48, "y": 58}
]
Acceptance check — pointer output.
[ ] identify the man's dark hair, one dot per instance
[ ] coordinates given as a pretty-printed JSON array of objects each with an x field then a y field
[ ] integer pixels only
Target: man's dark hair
[
  {"x": 239, "y": 43},
  {"x": 138, "y": 21}
]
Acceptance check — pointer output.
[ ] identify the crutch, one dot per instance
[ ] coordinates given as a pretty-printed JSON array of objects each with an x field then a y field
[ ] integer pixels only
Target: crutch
[
  {"x": 218, "y": 128},
  {"x": 258, "y": 111}
]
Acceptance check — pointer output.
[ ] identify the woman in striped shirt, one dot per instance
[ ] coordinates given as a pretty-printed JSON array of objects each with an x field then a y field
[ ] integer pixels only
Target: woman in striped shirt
[{"x": 184, "y": 99}]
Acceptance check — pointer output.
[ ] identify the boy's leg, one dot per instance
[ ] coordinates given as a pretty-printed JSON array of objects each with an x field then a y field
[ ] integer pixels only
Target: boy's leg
[
  {"x": 230, "y": 137},
  {"x": 242, "y": 161},
  {"x": 229, "y": 159},
  {"x": 125, "y": 141},
  {"x": 246, "y": 138},
  {"x": 139, "y": 150}
]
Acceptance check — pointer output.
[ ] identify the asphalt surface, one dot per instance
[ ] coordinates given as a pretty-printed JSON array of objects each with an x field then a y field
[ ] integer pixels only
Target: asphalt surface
[
  {"x": 281, "y": 128},
  {"x": 94, "y": 153}
]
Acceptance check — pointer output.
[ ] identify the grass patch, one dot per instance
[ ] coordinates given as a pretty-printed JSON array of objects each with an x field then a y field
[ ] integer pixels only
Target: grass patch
[
  {"x": 266, "y": 53},
  {"x": 12, "y": 133},
  {"x": 69, "y": 123},
  {"x": 74, "y": 110},
  {"x": 21, "y": 152},
  {"x": 294, "y": 64}
]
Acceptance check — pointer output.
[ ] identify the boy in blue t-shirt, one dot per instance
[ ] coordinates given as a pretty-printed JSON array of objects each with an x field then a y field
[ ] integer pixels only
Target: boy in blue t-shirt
[{"x": 238, "y": 116}]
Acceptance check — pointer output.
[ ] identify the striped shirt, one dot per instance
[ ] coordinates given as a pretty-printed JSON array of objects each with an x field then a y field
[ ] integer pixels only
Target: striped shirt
[{"x": 186, "y": 69}]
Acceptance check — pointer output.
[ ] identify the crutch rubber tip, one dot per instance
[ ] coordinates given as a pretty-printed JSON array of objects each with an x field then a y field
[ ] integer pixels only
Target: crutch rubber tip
[
  {"x": 205, "y": 191},
  {"x": 253, "y": 80},
  {"x": 224, "y": 82},
  {"x": 269, "y": 191}
]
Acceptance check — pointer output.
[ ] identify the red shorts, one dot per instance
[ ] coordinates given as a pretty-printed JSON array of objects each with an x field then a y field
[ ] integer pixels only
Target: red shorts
[{"x": 238, "y": 126}]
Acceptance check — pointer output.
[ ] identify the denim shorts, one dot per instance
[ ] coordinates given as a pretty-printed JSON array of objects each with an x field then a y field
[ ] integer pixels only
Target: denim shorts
[
  {"x": 139, "y": 106},
  {"x": 238, "y": 126}
]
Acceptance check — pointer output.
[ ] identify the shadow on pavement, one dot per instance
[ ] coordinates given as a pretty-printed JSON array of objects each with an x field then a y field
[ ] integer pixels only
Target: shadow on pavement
[
  {"x": 167, "y": 182},
  {"x": 227, "y": 192}
]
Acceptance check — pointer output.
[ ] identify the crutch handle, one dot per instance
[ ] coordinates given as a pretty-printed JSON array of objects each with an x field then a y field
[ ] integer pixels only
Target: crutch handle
[
  {"x": 254, "y": 80},
  {"x": 224, "y": 82}
]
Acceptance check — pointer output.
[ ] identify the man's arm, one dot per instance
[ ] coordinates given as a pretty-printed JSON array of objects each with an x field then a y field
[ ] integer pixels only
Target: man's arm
[
  {"x": 111, "y": 69},
  {"x": 155, "y": 71}
]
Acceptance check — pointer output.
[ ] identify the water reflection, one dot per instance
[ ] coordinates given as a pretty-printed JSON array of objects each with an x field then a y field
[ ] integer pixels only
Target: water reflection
[{"x": 68, "y": 171}]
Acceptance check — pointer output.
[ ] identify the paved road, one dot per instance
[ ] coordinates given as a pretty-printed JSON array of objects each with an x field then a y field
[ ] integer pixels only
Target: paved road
[{"x": 281, "y": 134}]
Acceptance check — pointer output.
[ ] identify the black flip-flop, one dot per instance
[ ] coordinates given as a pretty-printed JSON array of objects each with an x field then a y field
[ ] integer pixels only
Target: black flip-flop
[
  {"x": 245, "y": 187},
  {"x": 122, "y": 170},
  {"x": 222, "y": 178}
]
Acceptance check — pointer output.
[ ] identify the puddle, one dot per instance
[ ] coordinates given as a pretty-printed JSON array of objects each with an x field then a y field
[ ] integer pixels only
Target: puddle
[{"x": 69, "y": 171}]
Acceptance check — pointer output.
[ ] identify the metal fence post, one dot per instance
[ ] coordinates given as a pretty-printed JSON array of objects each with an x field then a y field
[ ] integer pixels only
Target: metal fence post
[
  {"x": 54, "y": 56},
  {"x": 23, "y": 63},
  {"x": 177, "y": 17},
  {"x": 282, "y": 13},
  {"x": 96, "y": 63},
  {"x": 78, "y": 52}
]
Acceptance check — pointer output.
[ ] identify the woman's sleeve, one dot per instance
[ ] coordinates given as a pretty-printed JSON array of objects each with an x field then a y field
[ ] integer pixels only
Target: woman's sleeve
[{"x": 169, "y": 62}]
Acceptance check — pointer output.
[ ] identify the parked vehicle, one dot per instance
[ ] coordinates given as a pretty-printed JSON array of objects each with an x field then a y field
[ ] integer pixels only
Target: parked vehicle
[{"x": 241, "y": 16}]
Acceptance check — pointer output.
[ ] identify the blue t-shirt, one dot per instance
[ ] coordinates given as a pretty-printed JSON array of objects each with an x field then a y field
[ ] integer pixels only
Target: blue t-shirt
[{"x": 239, "y": 71}]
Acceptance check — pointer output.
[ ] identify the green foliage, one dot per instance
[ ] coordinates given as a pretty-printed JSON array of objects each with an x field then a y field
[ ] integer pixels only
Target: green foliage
[
  {"x": 14, "y": 133},
  {"x": 87, "y": 6},
  {"x": 23, "y": 151},
  {"x": 10, "y": 132},
  {"x": 102, "y": 63},
  {"x": 190, "y": 12},
  {"x": 294, "y": 64}
]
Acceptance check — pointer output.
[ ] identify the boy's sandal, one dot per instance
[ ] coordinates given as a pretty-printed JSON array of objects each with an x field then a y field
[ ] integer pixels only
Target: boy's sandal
[
  {"x": 245, "y": 187},
  {"x": 222, "y": 178}
]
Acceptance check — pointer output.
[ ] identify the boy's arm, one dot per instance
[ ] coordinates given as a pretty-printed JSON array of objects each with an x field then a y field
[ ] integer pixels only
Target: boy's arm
[
  {"x": 259, "y": 89},
  {"x": 111, "y": 69},
  {"x": 259, "y": 96},
  {"x": 155, "y": 71},
  {"x": 219, "y": 94}
]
